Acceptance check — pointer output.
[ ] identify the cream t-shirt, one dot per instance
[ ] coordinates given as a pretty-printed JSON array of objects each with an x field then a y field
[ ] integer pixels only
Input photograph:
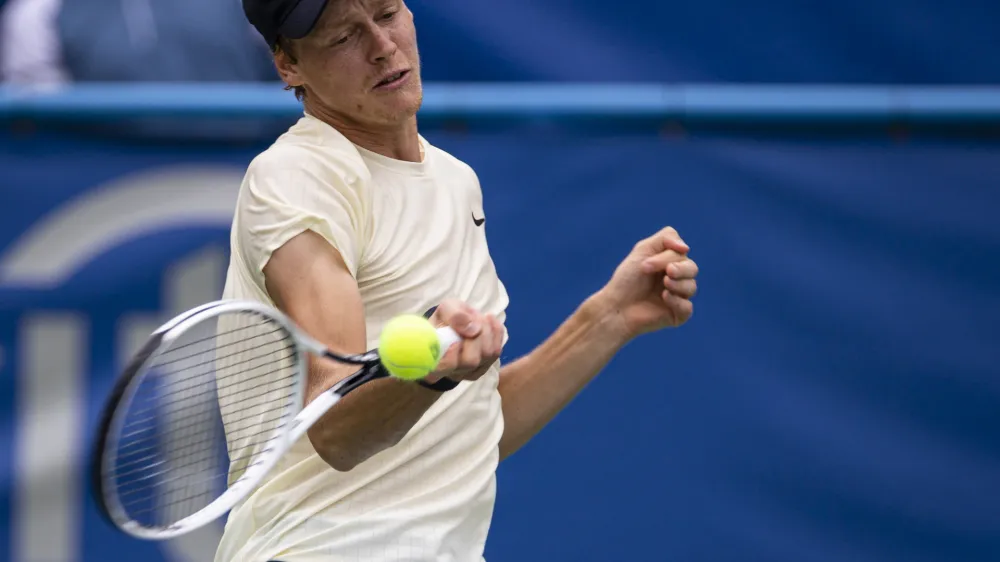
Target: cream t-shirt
[{"x": 412, "y": 235}]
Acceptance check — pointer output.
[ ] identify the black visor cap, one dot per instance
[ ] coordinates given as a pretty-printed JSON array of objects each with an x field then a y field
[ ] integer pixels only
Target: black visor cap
[{"x": 293, "y": 19}]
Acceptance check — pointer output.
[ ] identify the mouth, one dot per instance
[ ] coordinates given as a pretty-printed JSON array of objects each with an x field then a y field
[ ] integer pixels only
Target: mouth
[{"x": 392, "y": 80}]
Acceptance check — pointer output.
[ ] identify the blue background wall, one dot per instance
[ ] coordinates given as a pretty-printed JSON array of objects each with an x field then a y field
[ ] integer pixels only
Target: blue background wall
[
  {"x": 884, "y": 42},
  {"x": 836, "y": 396},
  {"x": 775, "y": 41}
]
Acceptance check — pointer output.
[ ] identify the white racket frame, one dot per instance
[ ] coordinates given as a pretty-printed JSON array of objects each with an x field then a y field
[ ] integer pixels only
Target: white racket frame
[{"x": 285, "y": 436}]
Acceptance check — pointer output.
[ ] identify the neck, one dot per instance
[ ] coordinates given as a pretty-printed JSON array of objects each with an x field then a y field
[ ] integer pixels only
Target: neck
[{"x": 398, "y": 141}]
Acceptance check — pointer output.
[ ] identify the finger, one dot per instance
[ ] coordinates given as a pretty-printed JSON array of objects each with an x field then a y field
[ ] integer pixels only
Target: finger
[
  {"x": 449, "y": 361},
  {"x": 472, "y": 351},
  {"x": 459, "y": 316},
  {"x": 684, "y": 288},
  {"x": 660, "y": 261},
  {"x": 669, "y": 239},
  {"x": 498, "y": 334},
  {"x": 685, "y": 269},
  {"x": 489, "y": 336},
  {"x": 478, "y": 373},
  {"x": 683, "y": 308}
]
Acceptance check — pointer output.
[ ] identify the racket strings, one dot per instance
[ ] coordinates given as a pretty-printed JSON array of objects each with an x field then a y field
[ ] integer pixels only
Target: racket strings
[
  {"x": 138, "y": 464},
  {"x": 207, "y": 407},
  {"x": 152, "y": 410},
  {"x": 209, "y": 339},
  {"x": 137, "y": 446},
  {"x": 209, "y": 479},
  {"x": 182, "y": 466},
  {"x": 209, "y": 368}
]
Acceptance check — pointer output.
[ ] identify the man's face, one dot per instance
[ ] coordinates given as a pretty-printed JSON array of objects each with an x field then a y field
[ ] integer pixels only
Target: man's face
[{"x": 347, "y": 62}]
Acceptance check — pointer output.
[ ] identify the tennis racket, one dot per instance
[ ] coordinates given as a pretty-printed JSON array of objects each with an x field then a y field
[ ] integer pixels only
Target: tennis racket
[{"x": 206, "y": 408}]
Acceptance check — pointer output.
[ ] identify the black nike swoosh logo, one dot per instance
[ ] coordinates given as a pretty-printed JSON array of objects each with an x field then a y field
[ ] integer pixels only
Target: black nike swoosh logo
[{"x": 478, "y": 222}]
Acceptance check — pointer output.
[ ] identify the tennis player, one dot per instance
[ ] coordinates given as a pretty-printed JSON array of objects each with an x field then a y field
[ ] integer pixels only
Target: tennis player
[{"x": 350, "y": 218}]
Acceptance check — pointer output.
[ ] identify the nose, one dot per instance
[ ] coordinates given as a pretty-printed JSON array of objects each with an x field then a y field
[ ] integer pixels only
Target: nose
[{"x": 383, "y": 47}]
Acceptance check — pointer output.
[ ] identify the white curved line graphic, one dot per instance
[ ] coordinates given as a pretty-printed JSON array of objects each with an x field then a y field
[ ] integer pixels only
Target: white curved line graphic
[{"x": 82, "y": 229}]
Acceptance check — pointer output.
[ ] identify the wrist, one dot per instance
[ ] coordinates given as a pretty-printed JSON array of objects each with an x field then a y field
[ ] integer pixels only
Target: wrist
[
  {"x": 433, "y": 382},
  {"x": 443, "y": 384},
  {"x": 604, "y": 315}
]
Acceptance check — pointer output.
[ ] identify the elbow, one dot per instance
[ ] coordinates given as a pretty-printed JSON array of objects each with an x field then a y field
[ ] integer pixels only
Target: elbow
[
  {"x": 345, "y": 457},
  {"x": 340, "y": 459},
  {"x": 506, "y": 450},
  {"x": 342, "y": 463}
]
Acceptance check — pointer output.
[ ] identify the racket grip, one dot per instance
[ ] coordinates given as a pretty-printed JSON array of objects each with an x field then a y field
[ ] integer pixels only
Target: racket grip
[{"x": 447, "y": 337}]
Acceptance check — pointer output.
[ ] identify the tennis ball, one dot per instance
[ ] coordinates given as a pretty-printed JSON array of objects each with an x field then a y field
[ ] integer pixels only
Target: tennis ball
[{"x": 409, "y": 347}]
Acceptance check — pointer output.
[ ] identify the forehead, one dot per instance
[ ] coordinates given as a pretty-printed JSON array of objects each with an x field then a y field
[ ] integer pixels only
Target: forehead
[{"x": 337, "y": 11}]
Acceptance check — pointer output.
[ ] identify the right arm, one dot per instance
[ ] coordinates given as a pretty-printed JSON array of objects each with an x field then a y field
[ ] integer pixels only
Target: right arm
[{"x": 309, "y": 281}]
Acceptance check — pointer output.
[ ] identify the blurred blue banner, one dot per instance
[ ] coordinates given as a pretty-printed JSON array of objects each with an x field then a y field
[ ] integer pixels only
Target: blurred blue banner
[
  {"x": 769, "y": 41},
  {"x": 710, "y": 41},
  {"x": 835, "y": 396}
]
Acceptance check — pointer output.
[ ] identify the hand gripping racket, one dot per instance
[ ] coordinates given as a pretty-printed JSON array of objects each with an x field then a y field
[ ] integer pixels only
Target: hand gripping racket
[{"x": 205, "y": 409}]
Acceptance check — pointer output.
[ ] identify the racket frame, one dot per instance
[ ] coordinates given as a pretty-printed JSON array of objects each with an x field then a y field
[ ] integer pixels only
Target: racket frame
[
  {"x": 285, "y": 436},
  {"x": 133, "y": 376}
]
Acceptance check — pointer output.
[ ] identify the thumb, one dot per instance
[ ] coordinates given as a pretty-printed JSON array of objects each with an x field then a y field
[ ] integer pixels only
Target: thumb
[
  {"x": 463, "y": 323},
  {"x": 667, "y": 239},
  {"x": 673, "y": 243},
  {"x": 458, "y": 316}
]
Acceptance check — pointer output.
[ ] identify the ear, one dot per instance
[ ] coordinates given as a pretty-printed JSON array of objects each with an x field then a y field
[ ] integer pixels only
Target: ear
[{"x": 288, "y": 68}]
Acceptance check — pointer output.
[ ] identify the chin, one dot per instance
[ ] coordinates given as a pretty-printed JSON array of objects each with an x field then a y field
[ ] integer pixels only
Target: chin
[{"x": 404, "y": 106}]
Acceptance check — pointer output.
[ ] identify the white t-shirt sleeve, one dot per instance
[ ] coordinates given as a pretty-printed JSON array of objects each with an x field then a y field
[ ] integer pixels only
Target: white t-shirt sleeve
[{"x": 287, "y": 192}]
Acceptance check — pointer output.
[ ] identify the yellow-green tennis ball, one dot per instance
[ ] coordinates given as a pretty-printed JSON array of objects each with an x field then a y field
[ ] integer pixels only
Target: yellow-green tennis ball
[{"x": 409, "y": 347}]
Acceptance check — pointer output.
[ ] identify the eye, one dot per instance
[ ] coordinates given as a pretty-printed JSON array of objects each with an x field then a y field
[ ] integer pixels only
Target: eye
[
  {"x": 344, "y": 39},
  {"x": 388, "y": 15}
]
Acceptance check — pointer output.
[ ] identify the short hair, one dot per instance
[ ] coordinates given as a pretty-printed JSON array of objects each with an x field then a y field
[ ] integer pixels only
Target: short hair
[{"x": 284, "y": 45}]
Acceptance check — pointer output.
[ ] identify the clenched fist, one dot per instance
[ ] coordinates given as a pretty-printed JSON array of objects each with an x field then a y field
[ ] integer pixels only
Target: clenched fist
[
  {"x": 653, "y": 287},
  {"x": 482, "y": 339}
]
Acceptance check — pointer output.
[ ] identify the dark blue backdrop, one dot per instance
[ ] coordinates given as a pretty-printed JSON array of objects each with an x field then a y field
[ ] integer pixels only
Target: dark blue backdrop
[
  {"x": 835, "y": 396},
  {"x": 885, "y": 42},
  {"x": 890, "y": 41}
]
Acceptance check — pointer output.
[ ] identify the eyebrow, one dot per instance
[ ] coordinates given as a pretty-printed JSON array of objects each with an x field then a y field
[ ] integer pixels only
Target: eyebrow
[
  {"x": 325, "y": 23},
  {"x": 339, "y": 21}
]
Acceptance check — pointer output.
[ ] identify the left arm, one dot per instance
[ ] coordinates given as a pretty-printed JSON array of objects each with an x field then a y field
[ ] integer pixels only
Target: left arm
[
  {"x": 537, "y": 386},
  {"x": 650, "y": 290}
]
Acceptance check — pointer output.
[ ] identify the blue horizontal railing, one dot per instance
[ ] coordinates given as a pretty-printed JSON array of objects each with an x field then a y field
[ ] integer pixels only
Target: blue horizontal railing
[{"x": 750, "y": 103}]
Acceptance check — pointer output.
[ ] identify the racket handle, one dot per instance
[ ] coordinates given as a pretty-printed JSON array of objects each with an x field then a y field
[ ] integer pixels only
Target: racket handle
[{"x": 447, "y": 337}]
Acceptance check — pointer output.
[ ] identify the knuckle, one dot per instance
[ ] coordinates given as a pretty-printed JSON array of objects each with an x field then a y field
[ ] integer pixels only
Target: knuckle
[{"x": 471, "y": 358}]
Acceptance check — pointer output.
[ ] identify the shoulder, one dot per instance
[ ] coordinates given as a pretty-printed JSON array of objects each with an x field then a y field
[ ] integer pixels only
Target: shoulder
[
  {"x": 450, "y": 164},
  {"x": 310, "y": 152}
]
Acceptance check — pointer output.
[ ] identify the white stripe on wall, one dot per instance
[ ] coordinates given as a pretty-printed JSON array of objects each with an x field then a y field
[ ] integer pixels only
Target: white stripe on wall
[
  {"x": 189, "y": 283},
  {"x": 50, "y": 442}
]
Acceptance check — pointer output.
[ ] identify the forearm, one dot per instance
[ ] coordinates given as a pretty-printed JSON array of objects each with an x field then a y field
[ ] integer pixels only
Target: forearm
[
  {"x": 537, "y": 386},
  {"x": 369, "y": 420}
]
